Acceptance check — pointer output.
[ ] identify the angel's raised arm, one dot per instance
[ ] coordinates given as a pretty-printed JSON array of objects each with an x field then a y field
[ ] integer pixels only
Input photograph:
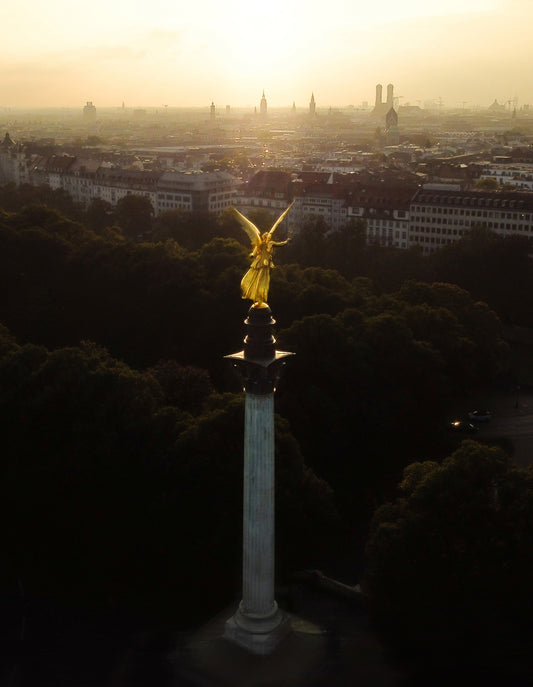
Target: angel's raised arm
[{"x": 249, "y": 227}]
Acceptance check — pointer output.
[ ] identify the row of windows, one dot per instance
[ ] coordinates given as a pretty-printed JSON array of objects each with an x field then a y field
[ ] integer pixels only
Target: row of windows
[
  {"x": 266, "y": 203},
  {"x": 173, "y": 205},
  {"x": 423, "y": 222},
  {"x": 387, "y": 233},
  {"x": 220, "y": 205},
  {"x": 475, "y": 213},
  {"x": 509, "y": 226},
  {"x": 489, "y": 173},
  {"x": 471, "y": 202},
  {"x": 432, "y": 239},
  {"x": 172, "y": 196},
  {"x": 438, "y": 230},
  {"x": 318, "y": 201},
  {"x": 385, "y": 223},
  {"x": 223, "y": 196}
]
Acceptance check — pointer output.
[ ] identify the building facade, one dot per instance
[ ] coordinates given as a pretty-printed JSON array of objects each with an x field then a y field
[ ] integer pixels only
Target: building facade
[
  {"x": 14, "y": 164},
  {"x": 88, "y": 178},
  {"x": 518, "y": 175},
  {"x": 198, "y": 191},
  {"x": 396, "y": 209},
  {"x": 269, "y": 190},
  {"x": 385, "y": 210},
  {"x": 438, "y": 218},
  {"x": 111, "y": 184},
  {"x": 325, "y": 200}
]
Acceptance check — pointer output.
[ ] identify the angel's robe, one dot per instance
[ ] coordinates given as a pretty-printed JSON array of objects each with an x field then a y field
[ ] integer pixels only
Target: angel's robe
[{"x": 256, "y": 282}]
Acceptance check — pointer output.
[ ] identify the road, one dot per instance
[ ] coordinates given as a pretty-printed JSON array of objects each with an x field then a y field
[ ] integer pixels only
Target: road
[{"x": 512, "y": 418}]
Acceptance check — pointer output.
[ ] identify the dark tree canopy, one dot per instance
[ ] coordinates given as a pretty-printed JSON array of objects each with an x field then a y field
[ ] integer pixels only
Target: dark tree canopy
[
  {"x": 449, "y": 563},
  {"x": 134, "y": 215},
  {"x": 131, "y": 434},
  {"x": 121, "y": 487}
]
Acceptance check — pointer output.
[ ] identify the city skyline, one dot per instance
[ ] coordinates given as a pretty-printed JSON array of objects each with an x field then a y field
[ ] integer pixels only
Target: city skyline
[{"x": 468, "y": 53}]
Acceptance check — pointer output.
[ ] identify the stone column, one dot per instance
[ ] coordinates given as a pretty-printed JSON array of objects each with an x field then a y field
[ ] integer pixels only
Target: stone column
[
  {"x": 258, "y": 624},
  {"x": 258, "y": 506}
]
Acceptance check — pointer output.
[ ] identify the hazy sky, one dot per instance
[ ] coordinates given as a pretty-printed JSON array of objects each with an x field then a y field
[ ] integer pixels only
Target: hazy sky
[{"x": 190, "y": 52}]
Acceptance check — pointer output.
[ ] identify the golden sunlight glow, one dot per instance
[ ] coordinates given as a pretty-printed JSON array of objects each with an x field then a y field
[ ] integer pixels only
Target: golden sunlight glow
[{"x": 62, "y": 53}]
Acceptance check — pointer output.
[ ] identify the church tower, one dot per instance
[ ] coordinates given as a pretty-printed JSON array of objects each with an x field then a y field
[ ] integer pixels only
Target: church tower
[
  {"x": 392, "y": 134},
  {"x": 390, "y": 96},
  {"x": 312, "y": 105},
  {"x": 89, "y": 112},
  {"x": 212, "y": 112},
  {"x": 263, "y": 106}
]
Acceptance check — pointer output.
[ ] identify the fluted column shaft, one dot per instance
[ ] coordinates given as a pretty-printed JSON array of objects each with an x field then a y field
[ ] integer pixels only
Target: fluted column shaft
[
  {"x": 258, "y": 625},
  {"x": 259, "y": 504}
]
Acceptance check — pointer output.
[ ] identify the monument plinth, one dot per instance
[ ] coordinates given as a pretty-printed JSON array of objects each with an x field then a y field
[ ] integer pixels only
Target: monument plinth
[{"x": 258, "y": 624}]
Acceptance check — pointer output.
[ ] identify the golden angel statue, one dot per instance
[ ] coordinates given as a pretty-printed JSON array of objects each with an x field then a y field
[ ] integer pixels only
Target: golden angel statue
[{"x": 256, "y": 281}]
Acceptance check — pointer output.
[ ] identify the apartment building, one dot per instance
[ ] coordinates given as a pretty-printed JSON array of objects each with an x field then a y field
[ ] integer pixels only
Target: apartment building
[
  {"x": 269, "y": 190},
  {"x": 518, "y": 175},
  {"x": 441, "y": 217},
  {"x": 320, "y": 195},
  {"x": 338, "y": 198},
  {"x": 201, "y": 191},
  {"x": 397, "y": 211},
  {"x": 111, "y": 184},
  {"x": 384, "y": 207},
  {"x": 13, "y": 162},
  {"x": 79, "y": 181}
]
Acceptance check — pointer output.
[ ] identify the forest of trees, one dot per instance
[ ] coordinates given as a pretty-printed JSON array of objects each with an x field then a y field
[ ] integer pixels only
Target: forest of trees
[
  {"x": 450, "y": 563},
  {"x": 122, "y": 422}
]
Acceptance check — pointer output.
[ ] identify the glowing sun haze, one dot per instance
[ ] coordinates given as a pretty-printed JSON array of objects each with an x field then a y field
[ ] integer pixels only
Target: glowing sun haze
[{"x": 64, "y": 52}]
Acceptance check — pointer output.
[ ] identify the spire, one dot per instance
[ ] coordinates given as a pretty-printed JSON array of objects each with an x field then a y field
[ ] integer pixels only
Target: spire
[
  {"x": 312, "y": 105},
  {"x": 263, "y": 105},
  {"x": 8, "y": 142}
]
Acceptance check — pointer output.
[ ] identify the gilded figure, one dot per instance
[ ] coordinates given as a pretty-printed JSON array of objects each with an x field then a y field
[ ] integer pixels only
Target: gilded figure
[{"x": 256, "y": 282}]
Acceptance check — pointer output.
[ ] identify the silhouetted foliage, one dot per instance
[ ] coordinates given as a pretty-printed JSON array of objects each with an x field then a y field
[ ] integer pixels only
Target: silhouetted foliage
[
  {"x": 471, "y": 263},
  {"x": 183, "y": 387},
  {"x": 131, "y": 424},
  {"x": 308, "y": 247},
  {"x": 100, "y": 215},
  {"x": 121, "y": 488},
  {"x": 380, "y": 372},
  {"x": 13, "y": 198},
  {"x": 134, "y": 215},
  {"x": 192, "y": 230},
  {"x": 449, "y": 562}
]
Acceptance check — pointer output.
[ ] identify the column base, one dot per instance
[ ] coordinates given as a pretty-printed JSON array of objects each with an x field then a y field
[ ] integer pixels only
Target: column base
[{"x": 258, "y": 634}]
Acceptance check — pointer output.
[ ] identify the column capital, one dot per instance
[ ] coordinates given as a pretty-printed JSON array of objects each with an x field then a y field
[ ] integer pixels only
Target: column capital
[{"x": 259, "y": 363}]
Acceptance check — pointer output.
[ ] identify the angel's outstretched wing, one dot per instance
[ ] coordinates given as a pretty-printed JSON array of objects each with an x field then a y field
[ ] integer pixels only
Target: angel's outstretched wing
[
  {"x": 249, "y": 227},
  {"x": 279, "y": 220}
]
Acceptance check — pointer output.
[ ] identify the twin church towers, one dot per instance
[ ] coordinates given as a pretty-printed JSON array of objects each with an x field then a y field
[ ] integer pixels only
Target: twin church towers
[{"x": 382, "y": 108}]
